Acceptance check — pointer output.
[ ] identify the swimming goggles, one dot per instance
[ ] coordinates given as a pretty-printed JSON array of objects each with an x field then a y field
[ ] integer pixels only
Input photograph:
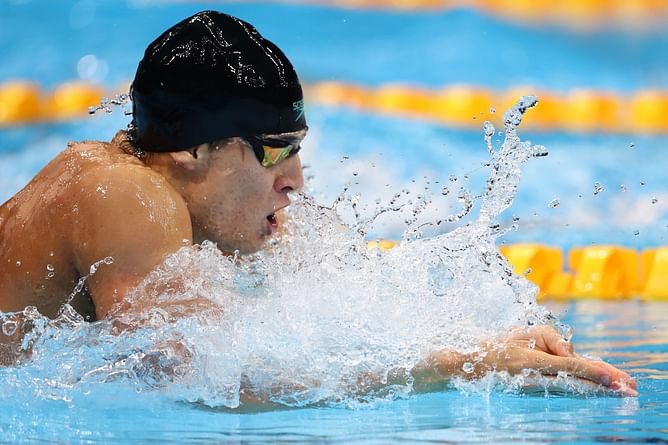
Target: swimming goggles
[{"x": 272, "y": 149}]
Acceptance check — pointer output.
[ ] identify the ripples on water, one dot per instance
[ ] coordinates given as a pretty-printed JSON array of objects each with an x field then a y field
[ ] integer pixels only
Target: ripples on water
[{"x": 303, "y": 320}]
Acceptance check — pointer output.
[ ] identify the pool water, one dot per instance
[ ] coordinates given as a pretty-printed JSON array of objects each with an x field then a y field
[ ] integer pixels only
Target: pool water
[
  {"x": 632, "y": 334},
  {"x": 379, "y": 155}
]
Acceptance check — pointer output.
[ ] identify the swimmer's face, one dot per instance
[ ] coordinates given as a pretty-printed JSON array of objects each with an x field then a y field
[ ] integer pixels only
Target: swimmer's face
[{"x": 235, "y": 201}]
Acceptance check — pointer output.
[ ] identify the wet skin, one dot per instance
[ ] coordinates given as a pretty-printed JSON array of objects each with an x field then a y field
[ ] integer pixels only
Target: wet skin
[{"x": 96, "y": 200}]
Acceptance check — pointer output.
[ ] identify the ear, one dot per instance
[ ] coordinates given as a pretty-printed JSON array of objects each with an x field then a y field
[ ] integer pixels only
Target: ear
[{"x": 195, "y": 159}]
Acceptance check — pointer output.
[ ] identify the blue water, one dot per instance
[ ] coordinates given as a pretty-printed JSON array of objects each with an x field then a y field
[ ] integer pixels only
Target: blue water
[
  {"x": 632, "y": 334},
  {"x": 45, "y": 42},
  {"x": 326, "y": 43}
]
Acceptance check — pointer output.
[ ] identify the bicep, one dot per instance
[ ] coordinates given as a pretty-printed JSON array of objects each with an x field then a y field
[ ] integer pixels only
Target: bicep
[{"x": 122, "y": 236}]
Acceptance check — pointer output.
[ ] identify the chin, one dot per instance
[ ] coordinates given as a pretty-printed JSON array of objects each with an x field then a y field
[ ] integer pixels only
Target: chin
[{"x": 244, "y": 247}]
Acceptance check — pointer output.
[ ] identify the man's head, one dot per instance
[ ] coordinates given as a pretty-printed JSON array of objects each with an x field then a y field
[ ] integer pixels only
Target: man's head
[
  {"x": 220, "y": 110},
  {"x": 210, "y": 77}
]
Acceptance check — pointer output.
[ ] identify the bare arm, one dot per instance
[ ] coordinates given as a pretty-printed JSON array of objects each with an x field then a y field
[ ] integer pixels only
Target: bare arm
[{"x": 136, "y": 222}]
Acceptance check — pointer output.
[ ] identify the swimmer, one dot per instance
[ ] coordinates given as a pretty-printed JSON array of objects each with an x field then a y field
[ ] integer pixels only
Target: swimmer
[{"x": 211, "y": 154}]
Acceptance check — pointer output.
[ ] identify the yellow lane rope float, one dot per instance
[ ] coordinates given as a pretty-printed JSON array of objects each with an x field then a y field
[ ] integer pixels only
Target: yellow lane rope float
[
  {"x": 602, "y": 272},
  {"x": 23, "y": 102},
  {"x": 575, "y": 14},
  {"x": 579, "y": 110}
]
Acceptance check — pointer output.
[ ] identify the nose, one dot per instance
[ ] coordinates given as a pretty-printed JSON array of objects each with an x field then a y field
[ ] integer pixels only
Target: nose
[{"x": 290, "y": 177}]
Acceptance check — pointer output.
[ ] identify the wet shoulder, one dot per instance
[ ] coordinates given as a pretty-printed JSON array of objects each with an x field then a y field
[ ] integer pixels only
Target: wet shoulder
[
  {"x": 117, "y": 185},
  {"x": 106, "y": 166}
]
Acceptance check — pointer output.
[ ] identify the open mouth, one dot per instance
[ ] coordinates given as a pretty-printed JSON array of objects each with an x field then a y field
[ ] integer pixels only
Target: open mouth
[{"x": 273, "y": 222}]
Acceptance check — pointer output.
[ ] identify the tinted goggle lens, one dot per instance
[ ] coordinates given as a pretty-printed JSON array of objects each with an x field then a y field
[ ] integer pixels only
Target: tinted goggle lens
[{"x": 271, "y": 151}]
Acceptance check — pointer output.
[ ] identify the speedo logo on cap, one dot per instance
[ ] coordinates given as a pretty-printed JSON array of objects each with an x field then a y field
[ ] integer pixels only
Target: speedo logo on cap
[{"x": 298, "y": 107}]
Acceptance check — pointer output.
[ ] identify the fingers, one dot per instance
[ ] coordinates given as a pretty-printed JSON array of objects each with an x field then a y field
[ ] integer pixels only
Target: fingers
[
  {"x": 555, "y": 343},
  {"x": 575, "y": 366},
  {"x": 598, "y": 372},
  {"x": 619, "y": 377},
  {"x": 546, "y": 338}
]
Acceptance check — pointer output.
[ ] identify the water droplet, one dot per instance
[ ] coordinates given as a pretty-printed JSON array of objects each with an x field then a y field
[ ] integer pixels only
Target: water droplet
[
  {"x": 654, "y": 200},
  {"x": 9, "y": 327},
  {"x": 452, "y": 178},
  {"x": 50, "y": 275},
  {"x": 636, "y": 232},
  {"x": 356, "y": 173},
  {"x": 632, "y": 145},
  {"x": 489, "y": 129},
  {"x": 532, "y": 344},
  {"x": 18, "y": 264},
  {"x": 50, "y": 267},
  {"x": 492, "y": 110},
  {"x": 468, "y": 367},
  {"x": 108, "y": 260},
  {"x": 566, "y": 332},
  {"x": 622, "y": 188},
  {"x": 539, "y": 151},
  {"x": 51, "y": 253},
  {"x": 445, "y": 191},
  {"x": 642, "y": 183},
  {"x": 598, "y": 188},
  {"x": 554, "y": 203}
]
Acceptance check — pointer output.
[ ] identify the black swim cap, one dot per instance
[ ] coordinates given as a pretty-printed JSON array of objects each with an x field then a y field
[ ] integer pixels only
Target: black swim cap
[{"x": 210, "y": 77}]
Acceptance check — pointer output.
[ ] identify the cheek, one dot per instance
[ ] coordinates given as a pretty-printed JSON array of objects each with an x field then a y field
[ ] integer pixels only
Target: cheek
[
  {"x": 236, "y": 200},
  {"x": 234, "y": 211}
]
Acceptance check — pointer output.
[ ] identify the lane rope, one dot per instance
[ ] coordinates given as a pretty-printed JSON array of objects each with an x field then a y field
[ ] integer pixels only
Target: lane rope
[
  {"x": 579, "y": 110},
  {"x": 578, "y": 15},
  {"x": 600, "y": 272}
]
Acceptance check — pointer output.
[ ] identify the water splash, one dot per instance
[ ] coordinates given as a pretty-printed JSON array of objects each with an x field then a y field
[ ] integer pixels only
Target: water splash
[
  {"x": 108, "y": 104},
  {"x": 316, "y": 318}
]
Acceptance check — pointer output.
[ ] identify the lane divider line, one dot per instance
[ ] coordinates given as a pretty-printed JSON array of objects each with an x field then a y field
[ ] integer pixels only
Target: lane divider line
[
  {"x": 579, "y": 15},
  {"x": 592, "y": 272},
  {"x": 579, "y": 110}
]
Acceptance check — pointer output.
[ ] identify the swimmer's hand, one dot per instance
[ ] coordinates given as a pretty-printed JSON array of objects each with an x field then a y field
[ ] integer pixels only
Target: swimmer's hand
[
  {"x": 549, "y": 340},
  {"x": 540, "y": 349},
  {"x": 543, "y": 338}
]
